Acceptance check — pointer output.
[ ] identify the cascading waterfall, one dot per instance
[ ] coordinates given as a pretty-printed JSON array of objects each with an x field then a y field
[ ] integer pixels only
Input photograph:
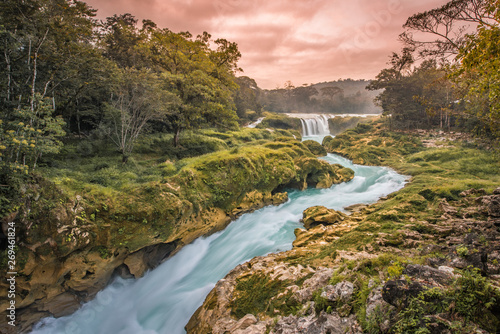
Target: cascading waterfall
[
  {"x": 317, "y": 125},
  {"x": 163, "y": 301}
]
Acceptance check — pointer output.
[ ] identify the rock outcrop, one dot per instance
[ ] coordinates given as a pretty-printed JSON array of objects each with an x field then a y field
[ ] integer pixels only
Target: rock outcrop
[{"x": 316, "y": 215}]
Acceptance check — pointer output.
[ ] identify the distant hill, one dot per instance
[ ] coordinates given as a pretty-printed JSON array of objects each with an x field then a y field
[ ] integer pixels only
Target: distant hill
[{"x": 336, "y": 97}]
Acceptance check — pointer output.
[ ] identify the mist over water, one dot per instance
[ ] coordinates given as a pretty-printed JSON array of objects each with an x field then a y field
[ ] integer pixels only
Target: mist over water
[{"x": 165, "y": 298}]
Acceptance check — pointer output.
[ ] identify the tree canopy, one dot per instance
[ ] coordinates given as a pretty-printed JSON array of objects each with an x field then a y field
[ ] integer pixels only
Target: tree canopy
[
  {"x": 447, "y": 72},
  {"x": 63, "y": 66}
]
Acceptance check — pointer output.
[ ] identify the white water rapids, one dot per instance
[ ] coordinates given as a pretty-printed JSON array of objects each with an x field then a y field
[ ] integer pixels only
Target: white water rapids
[{"x": 165, "y": 298}]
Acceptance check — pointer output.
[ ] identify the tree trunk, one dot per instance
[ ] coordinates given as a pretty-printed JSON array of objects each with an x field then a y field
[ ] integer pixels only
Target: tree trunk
[
  {"x": 176, "y": 137},
  {"x": 9, "y": 75},
  {"x": 124, "y": 158},
  {"x": 78, "y": 124}
]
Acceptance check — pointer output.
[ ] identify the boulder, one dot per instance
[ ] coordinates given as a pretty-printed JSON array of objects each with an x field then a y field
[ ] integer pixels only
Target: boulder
[
  {"x": 428, "y": 274},
  {"x": 398, "y": 292},
  {"x": 321, "y": 215},
  {"x": 341, "y": 292},
  {"x": 324, "y": 323},
  {"x": 492, "y": 203},
  {"x": 315, "y": 148}
]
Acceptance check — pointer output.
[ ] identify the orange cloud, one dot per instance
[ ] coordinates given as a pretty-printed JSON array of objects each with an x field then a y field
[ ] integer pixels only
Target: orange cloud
[{"x": 305, "y": 41}]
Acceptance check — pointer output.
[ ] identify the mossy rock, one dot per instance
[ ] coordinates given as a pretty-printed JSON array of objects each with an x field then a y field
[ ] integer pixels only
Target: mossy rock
[
  {"x": 280, "y": 121},
  {"x": 321, "y": 215},
  {"x": 312, "y": 172},
  {"x": 315, "y": 148}
]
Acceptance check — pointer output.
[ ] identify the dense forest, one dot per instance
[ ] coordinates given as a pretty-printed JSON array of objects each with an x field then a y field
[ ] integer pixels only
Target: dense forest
[{"x": 66, "y": 72}]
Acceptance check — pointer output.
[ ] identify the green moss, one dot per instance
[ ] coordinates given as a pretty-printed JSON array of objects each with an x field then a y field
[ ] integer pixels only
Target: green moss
[
  {"x": 253, "y": 295},
  {"x": 280, "y": 121},
  {"x": 315, "y": 148}
]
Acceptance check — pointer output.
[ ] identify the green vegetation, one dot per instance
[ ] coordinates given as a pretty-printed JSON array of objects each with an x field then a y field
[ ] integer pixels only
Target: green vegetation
[
  {"x": 150, "y": 197},
  {"x": 340, "y": 124},
  {"x": 316, "y": 148},
  {"x": 471, "y": 297},
  {"x": 280, "y": 121},
  {"x": 437, "y": 174},
  {"x": 116, "y": 135},
  {"x": 397, "y": 231},
  {"x": 253, "y": 296}
]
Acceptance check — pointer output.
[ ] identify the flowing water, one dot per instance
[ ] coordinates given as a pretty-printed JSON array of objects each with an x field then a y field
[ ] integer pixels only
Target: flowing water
[
  {"x": 166, "y": 297},
  {"x": 317, "y": 124}
]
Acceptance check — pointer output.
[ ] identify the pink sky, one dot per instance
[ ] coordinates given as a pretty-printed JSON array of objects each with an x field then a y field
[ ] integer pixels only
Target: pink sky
[{"x": 304, "y": 41}]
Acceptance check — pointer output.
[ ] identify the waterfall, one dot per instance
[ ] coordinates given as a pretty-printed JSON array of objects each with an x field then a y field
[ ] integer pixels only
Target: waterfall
[{"x": 315, "y": 125}]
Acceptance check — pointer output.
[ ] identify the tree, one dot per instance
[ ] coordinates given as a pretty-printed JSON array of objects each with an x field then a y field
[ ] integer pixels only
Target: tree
[
  {"x": 30, "y": 134},
  {"x": 474, "y": 55},
  {"x": 137, "y": 99},
  {"x": 448, "y": 24},
  {"x": 201, "y": 79},
  {"x": 122, "y": 40},
  {"x": 438, "y": 96},
  {"x": 409, "y": 98},
  {"x": 247, "y": 97},
  {"x": 48, "y": 47},
  {"x": 331, "y": 91},
  {"x": 479, "y": 72}
]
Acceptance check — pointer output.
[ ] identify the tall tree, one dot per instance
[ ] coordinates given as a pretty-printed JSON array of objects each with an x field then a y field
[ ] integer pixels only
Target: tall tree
[
  {"x": 331, "y": 91},
  {"x": 47, "y": 48},
  {"x": 202, "y": 79},
  {"x": 478, "y": 72},
  {"x": 137, "y": 99},
  {"x": 30, "y": 133},
  {"x": 448, "y": 24}
]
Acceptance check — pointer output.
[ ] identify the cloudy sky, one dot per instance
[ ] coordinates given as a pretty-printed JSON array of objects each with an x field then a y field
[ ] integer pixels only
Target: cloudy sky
[{"x": 304, "y": 41}]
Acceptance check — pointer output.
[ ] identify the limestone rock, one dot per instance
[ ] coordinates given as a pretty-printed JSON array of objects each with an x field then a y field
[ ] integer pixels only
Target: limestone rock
[
  {"x": 317, "y": 281},
  {"x": 243, "y": 323},
  {"x": 356, "y": 207},
  {"x": 148, "y": 258},
  {"x": 375, "y": 303},
  {"x": 429, "y": 274},
  {"x": 493, "y": 205},
  {"x": 319, "y": 173},
  {"x": 255, "y": 200},
  {"x": 321, "y": 215},
  {"x": 339, "y": 292},
  {"x": 63, "y": 304},
  {"x": 304, "y": 237},
  {"x": 324, "y": 323},
  {"x": 398, "y": 292},
  {"x": 472, "y": 191}
]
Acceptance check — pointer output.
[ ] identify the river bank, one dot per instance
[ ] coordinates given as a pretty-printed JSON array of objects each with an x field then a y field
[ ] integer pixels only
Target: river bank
[
  {"x": 76, "y": 232},
  {"x": 426, "y": 258},
  {"x": 165, "y": 299}
]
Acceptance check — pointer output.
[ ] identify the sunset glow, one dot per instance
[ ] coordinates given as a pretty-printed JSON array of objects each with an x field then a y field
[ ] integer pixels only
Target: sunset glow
[{"x": 302, "y": 41}]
